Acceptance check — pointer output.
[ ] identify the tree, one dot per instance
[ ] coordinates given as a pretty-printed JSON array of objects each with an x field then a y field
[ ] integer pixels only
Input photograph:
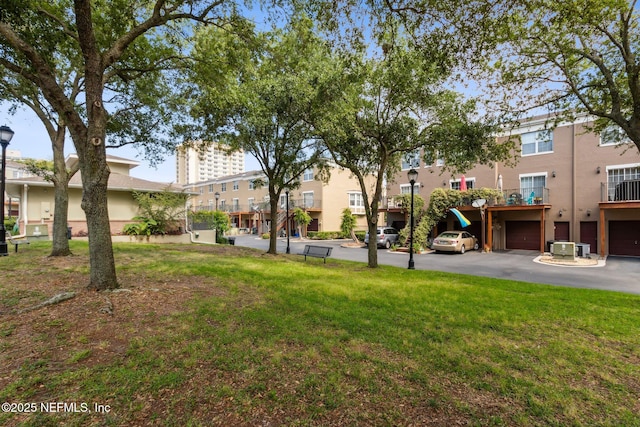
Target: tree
[
  {"x": 396, "y": 106},
  {"x": 119, "y": 50},
  {"x": 302, "y": 219},
  {"x": 264, "y": 103},
  {"x": 573, "y": 57},
  {"x": 17, "y": 90},
  {"x": 348, "y": 223}
]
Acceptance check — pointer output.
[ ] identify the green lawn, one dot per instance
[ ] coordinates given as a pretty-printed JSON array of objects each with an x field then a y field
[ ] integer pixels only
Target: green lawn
[{"x": 264, "y": 340}]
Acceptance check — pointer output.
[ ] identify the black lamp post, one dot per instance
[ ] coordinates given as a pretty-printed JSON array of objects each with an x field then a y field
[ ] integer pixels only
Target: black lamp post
[
  {"x": 5, "y": 136},
  {"x": 286, "y": 192},
  {"x": 217, "y": 196},
  {"x": 413, "y": 176}
]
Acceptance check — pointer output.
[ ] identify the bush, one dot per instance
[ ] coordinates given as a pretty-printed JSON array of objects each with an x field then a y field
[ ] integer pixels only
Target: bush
[
  {"x": 266, "y": 236},
  {"x": 325, "y": 235}
]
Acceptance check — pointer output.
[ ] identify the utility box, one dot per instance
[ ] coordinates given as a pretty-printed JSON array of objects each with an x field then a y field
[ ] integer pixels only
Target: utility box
[
  {"x": 583, "y": 250},
  {"x": 564, "y": 250}
]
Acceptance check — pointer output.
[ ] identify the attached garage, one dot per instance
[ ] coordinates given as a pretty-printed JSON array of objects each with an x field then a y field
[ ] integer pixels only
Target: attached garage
[
  {"x": 624, "y": 238},
  {"x": 523, "y": 235}
]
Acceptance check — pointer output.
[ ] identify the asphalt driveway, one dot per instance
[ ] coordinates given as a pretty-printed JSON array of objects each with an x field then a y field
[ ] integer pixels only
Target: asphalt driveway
[{"x": 617, "y": 274}]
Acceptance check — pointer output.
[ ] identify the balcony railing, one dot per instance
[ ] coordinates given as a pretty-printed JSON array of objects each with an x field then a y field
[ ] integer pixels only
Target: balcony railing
[
  {"x": 620, "y": 191},
  {"x": 522, "y": 196}
]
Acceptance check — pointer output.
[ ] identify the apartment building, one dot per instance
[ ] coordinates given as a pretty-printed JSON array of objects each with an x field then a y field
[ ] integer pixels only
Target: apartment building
[
  {"x": 569, "y": 184},
  {"x": 195, "y": 165},
  {"x": 245, "y": 197}
]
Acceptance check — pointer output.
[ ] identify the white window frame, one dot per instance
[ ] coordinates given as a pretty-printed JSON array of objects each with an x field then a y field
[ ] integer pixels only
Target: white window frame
[
  {"x": 454, "y": 184},
  {"x": 307, "y": 175},
  {"x": 406, "y": 188},
  {"x": 236, "y": 185},
  {"x": 627, "y": 174},
  {"x": 410, "y": 160},
  {"x": 236, "y": 204},
  {"x": 526, "y": 190},
  {"x": 620, "y": 138},
  {"x": 223, "y": 187},
  {"x": 356, "y": 202},
  {"x": 536, "y": 142},
  {"x": 305, "y": 201}
]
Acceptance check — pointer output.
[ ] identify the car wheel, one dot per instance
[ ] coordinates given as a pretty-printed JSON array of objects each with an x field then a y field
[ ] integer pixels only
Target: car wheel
[
  {"x": 476, "y": 246},
  {"x": 387, "y": 244},
  {"x": 462, "y": 249}
]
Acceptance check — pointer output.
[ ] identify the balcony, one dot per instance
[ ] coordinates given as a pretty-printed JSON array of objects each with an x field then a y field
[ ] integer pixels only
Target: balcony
[
  {"x": 521, "y": 196},
  {"x": 620, "y": 191}
]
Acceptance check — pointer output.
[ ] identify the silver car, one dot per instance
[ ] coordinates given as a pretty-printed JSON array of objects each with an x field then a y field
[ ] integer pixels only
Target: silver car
[{"x": 385, "y": 237}]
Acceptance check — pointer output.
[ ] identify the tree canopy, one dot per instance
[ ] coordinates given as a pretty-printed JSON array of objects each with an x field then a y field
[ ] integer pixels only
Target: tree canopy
[{"x": 263, "y": 102}]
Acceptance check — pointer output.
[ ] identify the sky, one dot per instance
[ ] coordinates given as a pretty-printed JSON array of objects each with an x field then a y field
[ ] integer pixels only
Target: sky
[{"x": 32, "y": 141}]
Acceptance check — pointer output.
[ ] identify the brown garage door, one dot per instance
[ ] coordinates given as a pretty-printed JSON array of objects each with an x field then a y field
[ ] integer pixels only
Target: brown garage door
[
  {"x": 624, "y": 238},
  {"x": 523, "y": 235},
  {"x": 589, "y": 234}
]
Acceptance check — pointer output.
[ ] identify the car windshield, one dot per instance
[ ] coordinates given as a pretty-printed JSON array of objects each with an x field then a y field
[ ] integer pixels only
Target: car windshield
[{"x": 449, "y": 235}]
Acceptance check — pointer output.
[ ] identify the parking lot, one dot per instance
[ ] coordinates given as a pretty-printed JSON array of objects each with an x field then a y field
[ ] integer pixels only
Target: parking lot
[{"x": 616, "y": 274}]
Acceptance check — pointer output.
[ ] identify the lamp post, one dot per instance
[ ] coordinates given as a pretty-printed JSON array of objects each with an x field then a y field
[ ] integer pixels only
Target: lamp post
[
  {"x": 286, "y": 192},
  {"x": 217, "y": 196},
  {"x": 413, "y": 176},
  {"x": 5, "y": 136}
]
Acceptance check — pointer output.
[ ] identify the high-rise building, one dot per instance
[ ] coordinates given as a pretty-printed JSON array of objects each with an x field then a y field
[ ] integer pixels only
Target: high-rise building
[{"x": 195, "y": 164}]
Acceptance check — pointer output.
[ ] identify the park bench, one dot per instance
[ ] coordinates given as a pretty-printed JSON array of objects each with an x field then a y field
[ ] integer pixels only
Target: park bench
[
  {"x": 17, "y": 240},
  {"x": 316, "y": 252}
]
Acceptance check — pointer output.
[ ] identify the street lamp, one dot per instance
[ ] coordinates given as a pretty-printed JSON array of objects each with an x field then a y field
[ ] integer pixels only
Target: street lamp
[
  {"x": 5, "y": 136},
  {"x": 413, "y": 176},
  {"x": 217, "y": 196},
  {"x": 286, "y": 192}
]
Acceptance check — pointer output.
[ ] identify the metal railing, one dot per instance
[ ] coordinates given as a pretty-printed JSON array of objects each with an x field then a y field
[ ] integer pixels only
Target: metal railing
[{"x": 620, "y": 191}]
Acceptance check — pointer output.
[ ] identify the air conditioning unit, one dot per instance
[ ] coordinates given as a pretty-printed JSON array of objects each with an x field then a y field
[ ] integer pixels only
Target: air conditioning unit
[{"x": 564, "y": 250}]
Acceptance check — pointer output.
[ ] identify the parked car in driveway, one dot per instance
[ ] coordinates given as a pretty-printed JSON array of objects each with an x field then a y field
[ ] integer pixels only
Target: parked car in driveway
[
  {"x": 455, "y": 241},
  {"x": 385, "y": 237}
]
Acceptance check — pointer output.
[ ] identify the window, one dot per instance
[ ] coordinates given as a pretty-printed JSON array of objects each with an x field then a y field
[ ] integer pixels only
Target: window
[
  {"x": 411, "y": 160},
  {"x": 537, "y": 142},
  {"x": 455, "y": 184},
  {"x": 356, "y": 203},
  {"x": 406, "y": 188},
  {"x": 308, "y": 175},
  {"x": 223, "y": 186},
  {"x": 210, "y": 188},
  {"x": 532, "y": 185},
  {"x": 283, "y": 200},
  {"x": 236, "y": 185},
  {"x": 307, "y": 199},
  {"x": 251, "y": 203},
  {"x": 252, "y": 185},
  {"x": 236, "y": 205},
  {"x": 621, "y": 182},
  {"x": 223, "y": 204},
  {"x": 612, "y": 135}
]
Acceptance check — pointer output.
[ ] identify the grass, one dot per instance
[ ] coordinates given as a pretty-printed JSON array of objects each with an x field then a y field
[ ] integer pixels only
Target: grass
[{"x": 263, "y": 339}]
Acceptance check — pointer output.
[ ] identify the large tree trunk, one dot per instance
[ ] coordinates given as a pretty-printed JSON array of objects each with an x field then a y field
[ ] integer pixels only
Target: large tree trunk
[
  {"x": 273, "y": 234},
  {"x": 61, "y": 178},
  {"x": 373, "y": 239},
  {"x": 95, "y": 175}
]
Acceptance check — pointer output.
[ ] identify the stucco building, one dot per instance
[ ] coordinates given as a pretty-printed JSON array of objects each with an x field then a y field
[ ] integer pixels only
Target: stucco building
[{"x": 245, "y": 198}]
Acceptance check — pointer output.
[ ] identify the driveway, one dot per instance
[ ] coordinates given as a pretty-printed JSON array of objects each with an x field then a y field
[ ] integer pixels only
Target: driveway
[{"x": 617, "y": 274}]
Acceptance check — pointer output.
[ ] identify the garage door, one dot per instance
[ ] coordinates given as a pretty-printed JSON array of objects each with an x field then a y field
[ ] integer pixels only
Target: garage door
[
  {"x": 624, "y": 238},
  {"x": 523, "y": 235},
  {"x": 589, "y": 234}
]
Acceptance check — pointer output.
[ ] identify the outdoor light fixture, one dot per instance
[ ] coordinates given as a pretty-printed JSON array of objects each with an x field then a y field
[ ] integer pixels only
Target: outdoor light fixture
[
  {"x": 598, "y": 169},
  {"x": 217, "y": 196},
  {"x": 286, "y": 192},
  {"x": 5, "y": 136},
  {"x": 553, "y": 174},
  {"x": 413, "y": 176},
  {"x": 588, "y": 212},
  {"x": 560, "y": 212}
]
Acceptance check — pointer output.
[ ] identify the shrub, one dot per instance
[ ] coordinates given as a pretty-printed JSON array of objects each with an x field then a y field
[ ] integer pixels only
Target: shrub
[{"x": 266, "y": 236}]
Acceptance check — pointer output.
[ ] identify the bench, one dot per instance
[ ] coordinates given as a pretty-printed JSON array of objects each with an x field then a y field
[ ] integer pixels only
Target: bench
[
  {"x": 316, "y": 252},
  {"x": 17, "y": 240}
]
